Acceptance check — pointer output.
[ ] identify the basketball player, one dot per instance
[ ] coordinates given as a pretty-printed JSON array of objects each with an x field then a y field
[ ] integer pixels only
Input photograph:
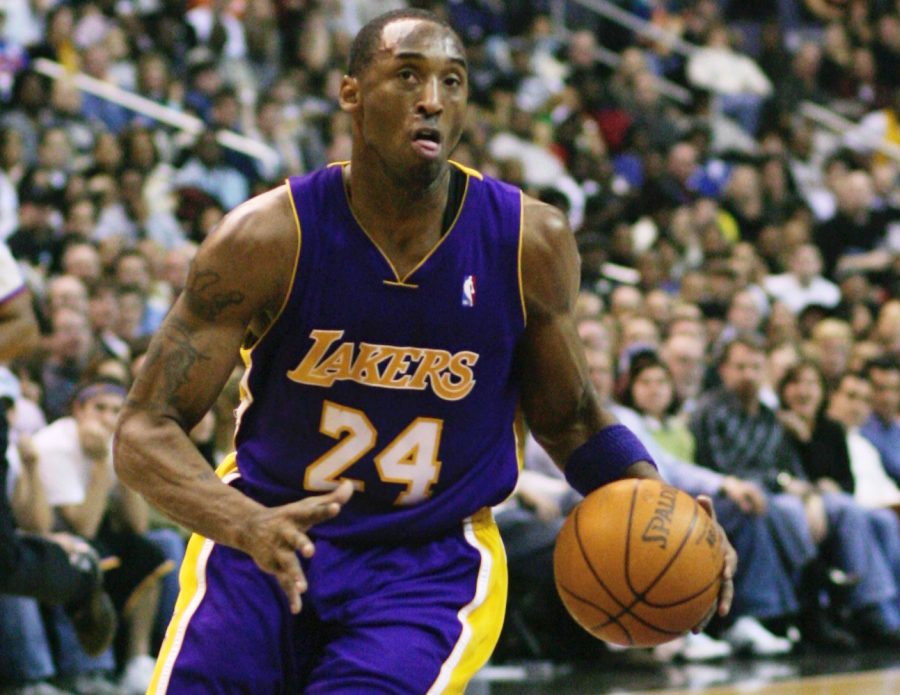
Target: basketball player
[{"x": 393, "y": 312}]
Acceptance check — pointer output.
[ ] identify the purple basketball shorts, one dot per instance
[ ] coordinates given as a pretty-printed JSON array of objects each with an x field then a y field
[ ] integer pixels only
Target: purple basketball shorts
[{"x": 418, "y": 618}]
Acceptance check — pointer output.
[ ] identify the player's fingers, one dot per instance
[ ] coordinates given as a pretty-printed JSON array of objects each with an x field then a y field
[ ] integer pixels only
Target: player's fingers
[
  {"x": 310, "y": 515},
  {"x": 726, "y": 596},
  {"x": 299, "y": 541},
  {"x": 291, "y": 579},
  {"x": 705, "y": 502},
  {"x": 342, "y": 493},
  {"x": 315, "y": 510},
  {"x": 726, "y": 593}
]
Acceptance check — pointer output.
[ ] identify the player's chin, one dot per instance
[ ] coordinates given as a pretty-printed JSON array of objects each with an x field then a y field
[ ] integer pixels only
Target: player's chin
[{"x": 424, "y": 172}]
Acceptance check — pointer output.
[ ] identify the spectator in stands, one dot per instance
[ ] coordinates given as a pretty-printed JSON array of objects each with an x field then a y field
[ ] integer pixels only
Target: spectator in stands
[
  {"x": 71, "y": 347},
  {"x": 685, "y": 357},
  {"x": 739, "y": 83},
  {"x": 62, "y": 570},
  {"x": 106, "y": 114},
  {"x": 882, "y": 428},
  {"x": 81, "y": 260},
  {"x": 29, "y": 101},
  {"x": 66, "y": 292},
  {"x": 803, "y": 284},
  {"x": 76, "y": 470},
  {"x": 850, "y": 405},
  {"x": 207, "y": 170},
  {"x": 818, "y": 438},
  {"x": 737, "y": 435},
  {"x": 133, "y": 270},
  {"x": 854, "y": 237},
  {"x": 887, "y": 328},
  {"x": 830, "y": 345}
]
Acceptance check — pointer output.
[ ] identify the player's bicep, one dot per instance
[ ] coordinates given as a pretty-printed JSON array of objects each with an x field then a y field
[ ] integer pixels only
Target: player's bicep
[
  {"x": 238, "y": 275},
  {"x": 187, "y": 364},
  {"x": 557, "y": 397}
]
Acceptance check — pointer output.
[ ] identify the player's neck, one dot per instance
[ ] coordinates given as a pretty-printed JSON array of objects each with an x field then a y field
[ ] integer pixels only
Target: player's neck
[{"x": 389, "y": 210}]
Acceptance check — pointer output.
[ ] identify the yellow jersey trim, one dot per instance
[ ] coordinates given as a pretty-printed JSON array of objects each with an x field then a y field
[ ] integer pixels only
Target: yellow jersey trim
[
  {"x": 466, "y": 170},
  {"x": 407, "y": 285},
  {"x": 519, "y": 260},
  {"x": 403, "y": 280},
  {"x": 192, "y": 580},
  {"x": 519, "y": 436},
  {"x": 482, "y": 618},
  {"x": 247, "y": 353}
]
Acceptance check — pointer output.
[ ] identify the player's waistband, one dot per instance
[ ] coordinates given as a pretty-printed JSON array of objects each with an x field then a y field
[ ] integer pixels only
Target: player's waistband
[{"x": 359, "y": 524}]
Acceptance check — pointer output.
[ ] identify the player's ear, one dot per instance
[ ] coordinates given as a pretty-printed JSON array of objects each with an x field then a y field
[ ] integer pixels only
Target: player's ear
[{"x": 348, "y": 96}]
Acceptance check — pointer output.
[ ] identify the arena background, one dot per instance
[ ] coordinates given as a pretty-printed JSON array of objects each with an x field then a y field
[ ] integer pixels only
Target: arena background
[{"x": 698, "y": 147}]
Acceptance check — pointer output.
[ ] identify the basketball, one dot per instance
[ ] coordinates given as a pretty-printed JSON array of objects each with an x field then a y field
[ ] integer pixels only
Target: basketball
[{"x": 638, "y": 563}]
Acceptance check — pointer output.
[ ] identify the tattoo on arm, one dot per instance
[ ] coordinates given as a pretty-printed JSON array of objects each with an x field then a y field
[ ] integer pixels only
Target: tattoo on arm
[
  {"x": 171, "y": 359},
  {"x": 204, "y": 300}
]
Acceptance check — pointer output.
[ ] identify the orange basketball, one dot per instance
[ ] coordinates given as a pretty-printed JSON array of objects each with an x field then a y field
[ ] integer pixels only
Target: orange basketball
[{"x": 638, "y": 563}]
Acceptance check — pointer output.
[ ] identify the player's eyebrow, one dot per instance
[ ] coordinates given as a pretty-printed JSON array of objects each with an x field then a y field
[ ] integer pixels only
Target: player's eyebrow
[{"x": 415, "y": 55}]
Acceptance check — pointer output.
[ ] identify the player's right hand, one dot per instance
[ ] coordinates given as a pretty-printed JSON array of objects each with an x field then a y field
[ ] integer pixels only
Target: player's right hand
[{"x": 275, "y": 535}]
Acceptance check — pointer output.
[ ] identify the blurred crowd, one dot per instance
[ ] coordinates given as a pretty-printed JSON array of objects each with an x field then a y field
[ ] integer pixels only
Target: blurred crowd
[{"x": 740, "y": 275}]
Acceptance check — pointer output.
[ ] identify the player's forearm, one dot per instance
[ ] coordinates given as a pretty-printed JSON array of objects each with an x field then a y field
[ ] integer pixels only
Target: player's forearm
[
  {"x": 561, "y": 438},
  {"x": 155, "y": 457},
  {"x": 643, "y": 469}
]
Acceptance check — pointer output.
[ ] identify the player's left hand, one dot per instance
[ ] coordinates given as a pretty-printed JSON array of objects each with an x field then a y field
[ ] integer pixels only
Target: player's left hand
[{"x": 726, "y": 592}]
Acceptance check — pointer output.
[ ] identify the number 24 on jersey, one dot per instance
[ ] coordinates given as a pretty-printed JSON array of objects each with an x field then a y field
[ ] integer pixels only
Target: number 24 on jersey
[{"x": 410, "y": 459}]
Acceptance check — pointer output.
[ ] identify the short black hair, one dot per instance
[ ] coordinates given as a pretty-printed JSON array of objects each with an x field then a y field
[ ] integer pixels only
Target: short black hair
[
  {"x": 367, "y": 40},
  {"x": 751, "y": 341}
]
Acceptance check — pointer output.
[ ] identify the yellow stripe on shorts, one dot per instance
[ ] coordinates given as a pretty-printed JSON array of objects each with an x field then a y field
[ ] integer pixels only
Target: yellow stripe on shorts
[
  {"x": 482, "y": 618},
  {"x": 192, "y": 580}
]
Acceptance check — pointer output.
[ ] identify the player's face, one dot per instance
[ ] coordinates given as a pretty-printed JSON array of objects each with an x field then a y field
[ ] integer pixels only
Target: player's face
[{"x": 409, "y": 104}]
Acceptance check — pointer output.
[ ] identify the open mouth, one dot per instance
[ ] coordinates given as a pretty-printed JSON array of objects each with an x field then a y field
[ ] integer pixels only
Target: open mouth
[{"x": 427, "y": 141}]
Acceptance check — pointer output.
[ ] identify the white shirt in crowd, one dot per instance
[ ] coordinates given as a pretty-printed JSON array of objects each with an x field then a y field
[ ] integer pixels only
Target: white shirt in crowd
[
  {"x": 11, "y": 280},
  {"x": 786, "y": 288},
  {"x": 873, "y": 488},
  {"x": 63, "y": 468},
  {"x": 724, "y": 71}
]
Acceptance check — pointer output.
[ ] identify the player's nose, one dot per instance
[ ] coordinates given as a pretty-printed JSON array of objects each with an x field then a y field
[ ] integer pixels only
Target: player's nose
[{"x": 429, "y": 103}]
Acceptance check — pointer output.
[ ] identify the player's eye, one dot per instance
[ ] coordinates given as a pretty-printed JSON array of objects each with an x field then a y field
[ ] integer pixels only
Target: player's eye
[
  {"x": 406, "y": 75},
  {"x": 452, "y": 81}
]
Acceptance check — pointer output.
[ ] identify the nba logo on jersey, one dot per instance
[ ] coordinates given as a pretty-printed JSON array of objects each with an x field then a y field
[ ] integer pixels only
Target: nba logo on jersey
[{"x": 468, "y": 290}]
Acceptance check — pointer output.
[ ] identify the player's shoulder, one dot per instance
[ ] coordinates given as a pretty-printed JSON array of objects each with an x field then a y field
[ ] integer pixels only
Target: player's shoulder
[
  {"x": 546, "y": 227},
  {"x": 550, "y": 262},
  {"x": 261, "y": 225}
]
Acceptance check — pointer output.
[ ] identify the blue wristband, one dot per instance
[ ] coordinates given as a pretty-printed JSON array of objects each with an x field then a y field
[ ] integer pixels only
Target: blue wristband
[{"x": 604, "y": 458}]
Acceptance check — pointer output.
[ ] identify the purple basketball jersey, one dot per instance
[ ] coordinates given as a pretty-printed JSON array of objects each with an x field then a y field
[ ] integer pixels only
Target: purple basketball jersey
[{"x": 403, "y": 385}]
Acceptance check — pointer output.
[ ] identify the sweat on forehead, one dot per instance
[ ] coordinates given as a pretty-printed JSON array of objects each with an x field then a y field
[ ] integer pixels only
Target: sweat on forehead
[
  {"x": 385, "y": 31},
  {"x": 412, "y": 32}
]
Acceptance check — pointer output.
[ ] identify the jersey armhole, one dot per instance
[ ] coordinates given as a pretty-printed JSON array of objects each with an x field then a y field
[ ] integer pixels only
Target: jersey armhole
[
  {"x": 519, "y": 257},
  {"x": 294, "y": 271}
]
